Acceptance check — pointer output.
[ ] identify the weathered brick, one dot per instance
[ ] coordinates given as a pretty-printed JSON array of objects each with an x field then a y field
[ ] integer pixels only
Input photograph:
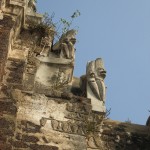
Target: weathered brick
[
  {"x": 20, "y": 149},
  {"x": 30, "y": 127},
  {"x": 8, "y": 107},
  {"x": 19, "y": 144},
  {"x": 9, "y": 124},
  {"x": 43, "y": 147},
  {"x": 28, "y": 138},
  {"x": 3, "y": 137},
  {"x": 7, "y": 132},
  {"x": 4, "y": 146},
  {"x": 7, "y": 24}
]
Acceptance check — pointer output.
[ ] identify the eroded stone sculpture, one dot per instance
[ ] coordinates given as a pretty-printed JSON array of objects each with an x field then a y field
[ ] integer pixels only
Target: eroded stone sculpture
[
  {"x": 31, "y": 5},
  {"x": 96, "y": 90},
  {"x": 95, "y": 78},
  {"x": 65, "y": 45},
  {"x": 46, "y": 43}
]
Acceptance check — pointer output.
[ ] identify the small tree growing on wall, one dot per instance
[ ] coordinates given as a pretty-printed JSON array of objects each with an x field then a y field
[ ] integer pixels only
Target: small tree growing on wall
[{"x": 60, "y": 27}]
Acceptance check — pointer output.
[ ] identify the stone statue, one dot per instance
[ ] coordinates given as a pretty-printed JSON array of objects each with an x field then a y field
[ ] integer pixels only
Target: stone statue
[
  {"x": 32, "y": 5},
  {"x": 46, "y": 42},
  {"x": 66, "y": 45},
  {"x": 93, "y": 86},
  {"x": 95, "y": 78}
]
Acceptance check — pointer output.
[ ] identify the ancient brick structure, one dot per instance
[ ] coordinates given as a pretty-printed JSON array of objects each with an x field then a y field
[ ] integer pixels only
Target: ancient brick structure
[{"x": 42, "y": 106}]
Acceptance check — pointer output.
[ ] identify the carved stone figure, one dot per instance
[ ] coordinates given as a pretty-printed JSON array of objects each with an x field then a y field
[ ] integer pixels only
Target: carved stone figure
[
  {"x": 62, "y": 77},
  {"x": 95, "y": 86},
  {"x": 66, "y": 45},
  {"x": 95, "y": 78},
  {"x": 32, "y": 5},
  {"x": 46, "y": 44},
  {"x": 47, "y": 41}
]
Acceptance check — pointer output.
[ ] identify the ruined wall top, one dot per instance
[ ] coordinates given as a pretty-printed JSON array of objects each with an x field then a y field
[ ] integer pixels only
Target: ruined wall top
[{"x": 15, "y": 7}]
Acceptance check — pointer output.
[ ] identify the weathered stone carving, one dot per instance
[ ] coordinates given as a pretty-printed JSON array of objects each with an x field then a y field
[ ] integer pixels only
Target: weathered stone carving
[
  {"x": 65, "y": 45},
  {"x": 95, "y": 78},
  {"x": 68, "y": 127},
  {"x": 94, "y": 85},
  {"x": 32, "y": 5},
  {"x": 46, "y": 42},
  {"x": 60, "y": 79},
  {"x": 94, "y": 142},
  {"x": 43, "y": 121}
]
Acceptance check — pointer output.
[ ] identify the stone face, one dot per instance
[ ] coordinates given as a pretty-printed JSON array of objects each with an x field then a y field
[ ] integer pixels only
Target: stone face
[
  {"x": 93, "y": 84},
  {"x": 66, "y": 45}
]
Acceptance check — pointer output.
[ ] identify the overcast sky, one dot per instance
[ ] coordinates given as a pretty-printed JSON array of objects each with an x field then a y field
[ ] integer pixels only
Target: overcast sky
[{"x": 119, "y": 32}]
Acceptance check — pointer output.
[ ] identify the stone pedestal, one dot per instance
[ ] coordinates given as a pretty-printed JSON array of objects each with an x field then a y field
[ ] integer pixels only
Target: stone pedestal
[
  {"x": 53, "y": 74},
  {"x": 97, "y": 105}
]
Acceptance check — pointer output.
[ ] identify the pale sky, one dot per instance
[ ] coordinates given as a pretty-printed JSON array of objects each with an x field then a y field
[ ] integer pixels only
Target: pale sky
[{"x": 119, "y": 32}]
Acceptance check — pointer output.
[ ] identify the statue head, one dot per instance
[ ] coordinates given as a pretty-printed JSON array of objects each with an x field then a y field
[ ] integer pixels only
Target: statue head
[
  {"x": 99, "y": 68},
  {"x": 95, "y": 69},
  {"x": 69, "y": 36}
]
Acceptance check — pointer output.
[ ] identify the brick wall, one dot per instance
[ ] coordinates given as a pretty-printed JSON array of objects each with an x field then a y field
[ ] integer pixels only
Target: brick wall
[
  {"x": 8, "y": 107},
  {"x": 5, "y": 26}
]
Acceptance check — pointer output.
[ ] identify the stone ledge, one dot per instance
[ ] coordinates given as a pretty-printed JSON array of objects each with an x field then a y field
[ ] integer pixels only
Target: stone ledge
[
  {"x": 63, "y": 95},
  {"x": 49, "y": 60}
]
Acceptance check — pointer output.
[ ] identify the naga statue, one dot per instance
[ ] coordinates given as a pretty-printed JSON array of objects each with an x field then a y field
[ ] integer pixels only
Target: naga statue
[
  {"x": 92, "y": 84},
  {"x": 65, "y": 45},
  {"x": 95, "y": 78}
]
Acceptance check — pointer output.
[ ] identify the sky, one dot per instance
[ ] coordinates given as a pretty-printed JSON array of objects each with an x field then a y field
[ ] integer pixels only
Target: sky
[{"x": 118, "y": 31}]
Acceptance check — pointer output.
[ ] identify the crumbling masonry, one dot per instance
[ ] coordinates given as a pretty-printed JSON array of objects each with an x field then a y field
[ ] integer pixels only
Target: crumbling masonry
[{"x": 42, "y": 105}]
